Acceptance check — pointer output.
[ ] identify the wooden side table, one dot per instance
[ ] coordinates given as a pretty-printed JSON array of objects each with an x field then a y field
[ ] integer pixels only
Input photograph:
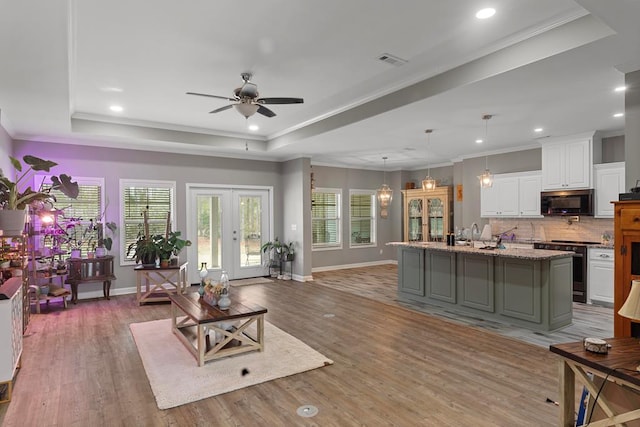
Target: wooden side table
[
  {"x": 157, "y": 283},
  {"x": 83, "y": 270}
]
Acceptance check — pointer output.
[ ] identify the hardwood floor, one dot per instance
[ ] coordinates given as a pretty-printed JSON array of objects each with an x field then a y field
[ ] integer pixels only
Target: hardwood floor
[{"x": 393, "y": 366}]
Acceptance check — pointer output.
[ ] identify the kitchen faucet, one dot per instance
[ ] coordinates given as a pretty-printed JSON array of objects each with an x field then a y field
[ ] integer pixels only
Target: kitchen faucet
[{"x": 474, "y": 226}]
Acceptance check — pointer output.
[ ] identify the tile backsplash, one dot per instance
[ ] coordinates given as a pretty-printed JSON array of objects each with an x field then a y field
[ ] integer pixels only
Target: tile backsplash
[{"x": 555, "y": 228}]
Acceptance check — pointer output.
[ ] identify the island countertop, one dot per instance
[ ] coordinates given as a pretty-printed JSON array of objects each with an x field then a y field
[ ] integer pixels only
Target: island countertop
[{"x": 532, "y": 254}]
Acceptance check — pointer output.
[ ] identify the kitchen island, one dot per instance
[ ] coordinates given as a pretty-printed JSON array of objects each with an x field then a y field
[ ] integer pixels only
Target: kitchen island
[{"x": 531, "y": 288}]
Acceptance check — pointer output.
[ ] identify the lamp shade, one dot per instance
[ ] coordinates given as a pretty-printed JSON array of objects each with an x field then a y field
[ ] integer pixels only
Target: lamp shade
[
  {"x": 631, "y": 307},
  {"x": 385, "y": 194},
  {"x": 428, "y": 184},
  {"x": 246, "y": 109},
  {"x": 486, "y": 179}
]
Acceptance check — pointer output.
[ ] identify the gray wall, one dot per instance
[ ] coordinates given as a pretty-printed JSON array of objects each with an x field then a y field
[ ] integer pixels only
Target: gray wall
[
  {"x": 389, "y": 229},
  {"x": 114, "y": 164},
  {"x": 613, "y": 149},
  {"x": 5, "y": 151}
]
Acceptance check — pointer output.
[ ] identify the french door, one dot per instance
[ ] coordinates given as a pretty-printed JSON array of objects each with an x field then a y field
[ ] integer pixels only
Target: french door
[{"x": 230, "y": 225}]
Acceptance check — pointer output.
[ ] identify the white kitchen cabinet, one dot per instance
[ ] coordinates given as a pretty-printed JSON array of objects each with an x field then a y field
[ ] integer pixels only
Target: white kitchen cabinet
[
  {"x": 529, "y": 187},
  {"x": 600, "y": 275},
  {"x": 10, "y": 332},
  {"x": 567, "y": 163},
  {"x": 512, "y": 195},
  {"x": 609, "y": 179}
]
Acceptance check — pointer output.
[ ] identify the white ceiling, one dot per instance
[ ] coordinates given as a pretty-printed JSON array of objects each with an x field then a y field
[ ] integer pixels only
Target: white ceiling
[{"x": 536, "y": 63}]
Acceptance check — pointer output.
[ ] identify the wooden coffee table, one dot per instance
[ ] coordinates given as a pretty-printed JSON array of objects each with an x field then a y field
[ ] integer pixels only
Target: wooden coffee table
[{"x": 191, "y": 317}]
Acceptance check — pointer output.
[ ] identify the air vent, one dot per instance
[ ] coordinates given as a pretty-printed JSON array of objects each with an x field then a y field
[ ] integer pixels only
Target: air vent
[{"x": 391, "y": 59}]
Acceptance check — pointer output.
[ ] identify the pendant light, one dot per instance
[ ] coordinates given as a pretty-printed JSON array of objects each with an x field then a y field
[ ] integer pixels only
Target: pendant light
[
  {"x": 385, "y": 194},
  {"x": 428, "y": 184},
  {"x": 486, "y": 179}
]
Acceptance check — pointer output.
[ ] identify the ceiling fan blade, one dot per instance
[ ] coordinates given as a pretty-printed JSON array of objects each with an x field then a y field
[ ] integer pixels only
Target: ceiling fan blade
[
  {"x": 217, "y": 110},
  {"x": 265, "y": 111},
  {"x": 212, "y": 96},
  {"x": 280, "y": 100}
]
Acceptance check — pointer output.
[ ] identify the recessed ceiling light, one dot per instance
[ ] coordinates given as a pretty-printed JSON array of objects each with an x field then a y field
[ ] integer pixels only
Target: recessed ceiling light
[
  {"x": 620, "y": 89},
  {"x": 116, "y": 108},
  {"x": 538, "y": 130},
  {"x": 485, "y": 13},
  {"x": 254, "y": 127},
  {"x": 618, "y": 115},
  {"x": 479, "y": 141}
]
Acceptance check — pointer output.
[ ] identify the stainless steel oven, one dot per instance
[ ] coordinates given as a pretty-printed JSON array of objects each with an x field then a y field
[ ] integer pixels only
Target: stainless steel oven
[{"x": 579, "y": 263}]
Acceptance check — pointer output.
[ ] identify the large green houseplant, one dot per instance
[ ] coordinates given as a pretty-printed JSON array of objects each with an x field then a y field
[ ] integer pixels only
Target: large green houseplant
[
  {"x": 169, "y": 244},
  {"x": 16, "y": 194}
]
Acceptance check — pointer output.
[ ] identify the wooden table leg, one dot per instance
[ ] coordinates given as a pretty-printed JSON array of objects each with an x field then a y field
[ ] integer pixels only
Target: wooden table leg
[
  {"x": 106, "y": 288},
  {"x": 201, "y": 345},
  {"x": 74, "y": 292},
  {"x": 261, "y": 332},
  {"x": 567, "y": 394}
]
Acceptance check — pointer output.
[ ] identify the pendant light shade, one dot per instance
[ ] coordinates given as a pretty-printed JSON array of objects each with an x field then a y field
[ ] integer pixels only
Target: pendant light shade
[
  {"x": 384, "y": 193},
  {"x": 486, "y": 178},
  {"x": 428, "y": 184}
]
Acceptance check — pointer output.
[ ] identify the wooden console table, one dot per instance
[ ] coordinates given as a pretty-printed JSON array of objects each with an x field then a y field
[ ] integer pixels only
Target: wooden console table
[
  {"x": 616, "y": 404},
  {"x": 83, "y": 270},
  {"x": 158, "y": 283},
  {"x": 191, "y": 317}
]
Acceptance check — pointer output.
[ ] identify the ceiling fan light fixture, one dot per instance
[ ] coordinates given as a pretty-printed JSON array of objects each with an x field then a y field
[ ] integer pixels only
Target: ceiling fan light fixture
[{"x": 246, "y": 109}]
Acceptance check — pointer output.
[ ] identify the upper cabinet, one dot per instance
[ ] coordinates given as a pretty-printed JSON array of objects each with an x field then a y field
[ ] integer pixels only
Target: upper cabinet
[
  {"x": 609, "y": 179},
  {"x": 567, "y": 163},
  {"x": 512, "y": 195}
]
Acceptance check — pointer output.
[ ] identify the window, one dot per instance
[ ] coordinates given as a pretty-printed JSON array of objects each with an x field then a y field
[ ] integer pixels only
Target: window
[
  {"x": 362, "y": 217},
  {"x": 157, "y": 198},
  {"x": 325, "y": 222},
  {"x": 73, "y": 225}
]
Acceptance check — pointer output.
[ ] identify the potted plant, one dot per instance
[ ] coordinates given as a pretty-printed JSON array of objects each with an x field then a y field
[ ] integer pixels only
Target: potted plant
[
  {"x": 145, "y": 250},
  {"x": 16, "y": 195},
  {"x": 278, "y": 252},
  {"x": 105, "y": 243},
  {"x": 169, "y": 244}
]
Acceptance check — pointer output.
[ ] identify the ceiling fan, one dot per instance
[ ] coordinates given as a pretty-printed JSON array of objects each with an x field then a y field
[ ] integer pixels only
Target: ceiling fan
[{"x": 246, "y": 101}]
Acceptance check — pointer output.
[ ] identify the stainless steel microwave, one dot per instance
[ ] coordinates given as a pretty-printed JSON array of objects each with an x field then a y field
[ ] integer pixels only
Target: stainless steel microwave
[{"x": 566, "y": 202}]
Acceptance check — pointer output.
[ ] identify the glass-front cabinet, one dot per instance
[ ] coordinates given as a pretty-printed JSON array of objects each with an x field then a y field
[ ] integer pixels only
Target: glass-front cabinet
[{"x": 427, "y": 214}]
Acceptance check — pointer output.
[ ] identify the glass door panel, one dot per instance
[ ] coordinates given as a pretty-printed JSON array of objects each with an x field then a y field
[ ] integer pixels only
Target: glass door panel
[
  {"x": 415, "y": 219},
  {"x": 436, "y": 219},
  {"x": 231, "y": 225}
]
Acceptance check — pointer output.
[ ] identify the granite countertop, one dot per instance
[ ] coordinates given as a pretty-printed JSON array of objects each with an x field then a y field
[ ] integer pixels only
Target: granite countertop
[{"x": 533, "y": 254}]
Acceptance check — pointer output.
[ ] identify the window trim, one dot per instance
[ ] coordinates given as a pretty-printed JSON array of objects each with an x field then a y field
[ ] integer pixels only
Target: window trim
[
  {"x": 148, "y": 183},
  {"x": 374, "y": 222},
  {"x": 339, "y": 244}
]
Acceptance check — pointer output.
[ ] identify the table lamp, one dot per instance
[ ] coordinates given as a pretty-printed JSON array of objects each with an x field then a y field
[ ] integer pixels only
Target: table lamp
[{"x": 631, "y": 307}]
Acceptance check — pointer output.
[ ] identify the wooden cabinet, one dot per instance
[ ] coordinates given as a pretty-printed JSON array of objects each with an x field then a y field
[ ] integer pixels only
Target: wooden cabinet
[
  {"x": 11, "y": 309},
  {"x": 427, "y": 214},
  {"x": 83, "y": 270},
  {"x": 609, "y": 183},
  {"x": 600, "y": 273},
  {"x": 567, "y": 163},
  {"x": 13, "y": 251},
  {"x": 512, "y": 195},
  {"x": 627, "y": 259}
]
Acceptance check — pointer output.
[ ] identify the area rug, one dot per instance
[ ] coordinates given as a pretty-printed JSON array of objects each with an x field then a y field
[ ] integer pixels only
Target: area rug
[
  {"x": 176, "y": 379},
  {"x": 251, "y": 281}
]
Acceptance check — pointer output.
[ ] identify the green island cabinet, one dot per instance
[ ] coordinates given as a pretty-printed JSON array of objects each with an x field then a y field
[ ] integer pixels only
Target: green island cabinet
[{"x": 531, "y": 288}]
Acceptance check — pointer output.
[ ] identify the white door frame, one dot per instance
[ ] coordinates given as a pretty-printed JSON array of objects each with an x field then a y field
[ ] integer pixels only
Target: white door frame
[{"x": 191, "y": 190}]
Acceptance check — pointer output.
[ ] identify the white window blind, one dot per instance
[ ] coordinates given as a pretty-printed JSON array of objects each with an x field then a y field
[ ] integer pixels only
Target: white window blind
[
  {"x": 325, "y": 224},
  {"x": 362, "y": 218},
  {"x": 157, "y": 198}
]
